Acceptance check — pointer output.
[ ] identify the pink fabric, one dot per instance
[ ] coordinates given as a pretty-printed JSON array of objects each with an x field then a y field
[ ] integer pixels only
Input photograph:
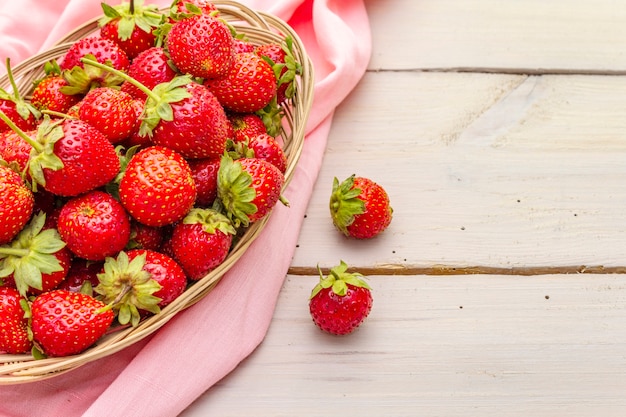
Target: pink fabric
[{"x": 162, "y": 375}]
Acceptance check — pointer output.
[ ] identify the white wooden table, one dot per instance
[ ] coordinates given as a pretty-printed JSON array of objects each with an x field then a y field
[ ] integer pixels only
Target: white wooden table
[{"x": 499, "y": 130}]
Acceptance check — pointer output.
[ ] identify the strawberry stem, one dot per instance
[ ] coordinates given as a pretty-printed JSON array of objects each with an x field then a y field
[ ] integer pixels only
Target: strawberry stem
[
  {"x": 123, "y": 75},
  {"x": 5, "y": 250},
  {"x": 36, "y": 145}
]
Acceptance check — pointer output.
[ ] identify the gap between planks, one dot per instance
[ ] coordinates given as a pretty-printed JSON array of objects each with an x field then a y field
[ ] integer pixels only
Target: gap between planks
[
  {"x": 506, "y": 71},
  {"x": 398, "y": 269}
]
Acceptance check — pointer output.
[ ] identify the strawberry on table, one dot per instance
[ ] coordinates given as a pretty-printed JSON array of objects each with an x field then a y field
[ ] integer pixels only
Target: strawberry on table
[
  {"x": 94, "y": 225},
  {"x": 201, "y": 242},
  {"x": 248, "y": 188},
  {"x": 340, "y": 302},
  {"x": 157, "y": 188},
  {"x": 67, "y": 323},
  {"x": 16, "y": 206},
  {"x": 13, "y": 322},
  {"x": 359, "y": 207}
]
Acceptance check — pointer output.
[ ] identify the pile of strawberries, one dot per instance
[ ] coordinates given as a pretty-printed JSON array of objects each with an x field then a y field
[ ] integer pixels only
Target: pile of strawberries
[{"x": 141, "y": 157}]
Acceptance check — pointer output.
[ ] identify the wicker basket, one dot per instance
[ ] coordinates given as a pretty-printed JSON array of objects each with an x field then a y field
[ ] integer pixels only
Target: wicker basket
[{"x": 260, "y": 28}]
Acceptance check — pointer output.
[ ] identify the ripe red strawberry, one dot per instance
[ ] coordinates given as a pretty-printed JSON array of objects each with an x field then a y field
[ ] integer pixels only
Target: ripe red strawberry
[
  {"x": 48, "y": 95},
  {"x": 246, "y": 125},
  {"x": 165, "y": 271},
  {"x": 264, "y": 146},
  {"x": 248, "y": 188},
  {"x": 359, "y": 207},
  {"x": 249, "y": 85},
  {"x": 201, "y": 45},
  {"x": 19, "y": 111},
  {"x": 82, "y": 273},
  {"x": 13, "y": 322},
  {"x": 67, "y": 323},
  {"x": 110, "y": 111},
  {"x": 71, "y": 157},
  {"x": 285, "y": 66},
  {"x": 15, "y": 151},
  {"x": 94, "y": 225},
  {"x": 127, "y": 286},
  {"x": 150, "y": 68},
  {"x": 340, "y": 302},
  {"x": 135, "y": 139},
  {"x": 157, "y": 187},
  {"x": 242, "y": 46},
  {"x": 199, "y": 127},
  {"x": 130, "y": 25},
  {"x": 204, "y": 173},
  {"x": 201, "y": 242},
  {"x": 16, "y": 206},
  {"x": 36, "y": 259},
  {"x": 103, "y": 50},
  {"x": 145, "y": 237}
]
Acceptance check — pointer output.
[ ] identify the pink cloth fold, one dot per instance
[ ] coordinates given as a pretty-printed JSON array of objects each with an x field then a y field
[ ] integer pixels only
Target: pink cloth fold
[{"x": 163, "y": 374}]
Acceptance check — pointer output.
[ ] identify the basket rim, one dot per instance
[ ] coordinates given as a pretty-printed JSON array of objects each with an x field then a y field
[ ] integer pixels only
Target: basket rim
[{"x": 18, "y": 369}]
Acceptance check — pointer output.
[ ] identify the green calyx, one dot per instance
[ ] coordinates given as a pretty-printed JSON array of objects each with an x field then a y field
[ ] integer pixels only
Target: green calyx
[
  {"x": 126, "y": 288},
  {"x": 131, "y": 15},
  {"x": 345, "y": 203},
  {"x": 31, "y": 254},
  {"x": 158, "y": 104},
  {"x": 23, "y": 107},
  {"x": 235, "y": 191},
  {"x": 211, "y": 221},
  {"x": 338, "y": 279},
  {"x": 81, "y": 80},
  {"x": 272, "y": 116}
]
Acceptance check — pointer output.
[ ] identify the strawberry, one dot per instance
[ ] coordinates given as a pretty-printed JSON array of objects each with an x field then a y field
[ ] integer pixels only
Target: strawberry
[
  {"x": 246, "y": 125},
  {"x": 15, "y": 151},
  {"x": 340, "y": 302},
  {"x": 188, "y": 8},
  {"x": 48, "y": 92},
  {"x": 13, "y": 322},
  {"x": 110, "y": 111},
  {"x": 201, "y": 46},
  {"x": 67, "y": 323},
  {"x": 82, "y": 275},
  {"x": 204, "y": 173},
  {"x": 157, "y": 187},
  {"x": 201, "y": 242},
  {"x": 284, "y": 64},
  {"x": 182, "y": 115},
  {"x": 135, "y": 139},
  {"x": 127, "y": 286},
  {"x": 150, "y": 68},
  {"x": 101, "y": 49},
  {"x": 16, "y": 206},
  {"x": 248, "y": 188},
  {"x": 71, "y": 157},
  {"x": 144, "y": 237},
  {"x": 36, "y": 259},
  {"x": 263, "y": 146},
  {"x": 94, "y": 225},
  {"x": 199, "y": 127},
  {"x": 165, "y": 271},
  {"x": 23, "y": 114},
  {"x": 359, "y": 207},
  {"x": 247, "y": 87},
  {"x": 242, "y": 46},
  {"x": 130, "y": 25}
]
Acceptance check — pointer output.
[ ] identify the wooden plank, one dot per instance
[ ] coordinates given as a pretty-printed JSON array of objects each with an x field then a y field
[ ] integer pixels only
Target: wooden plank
[
  {"x": 482, "y": 170},
  {"x": 492, "y": 35},
  {"x": 483, "y": 345}
]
